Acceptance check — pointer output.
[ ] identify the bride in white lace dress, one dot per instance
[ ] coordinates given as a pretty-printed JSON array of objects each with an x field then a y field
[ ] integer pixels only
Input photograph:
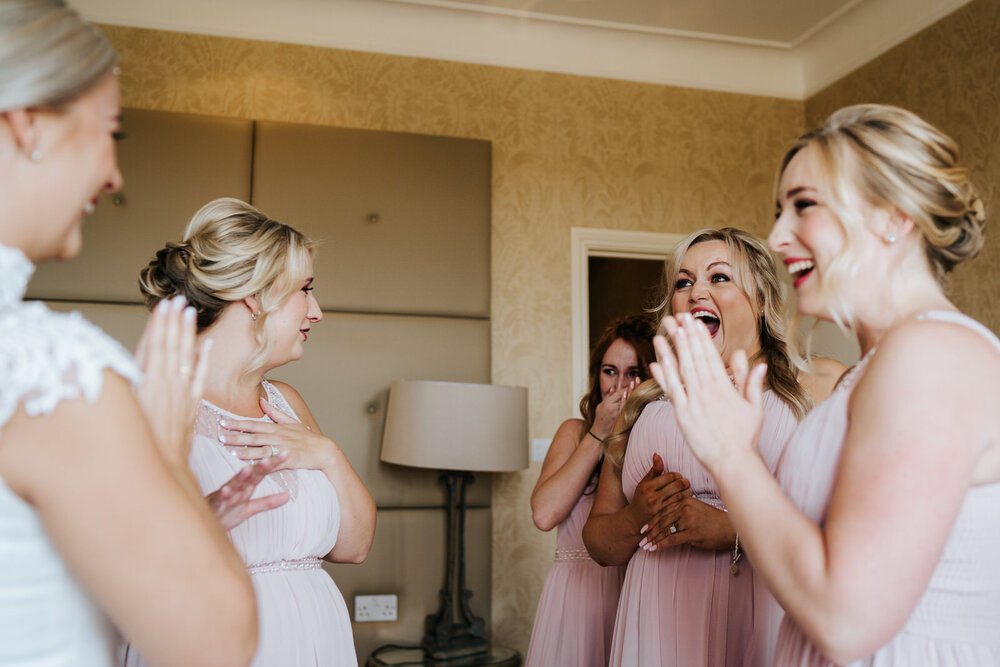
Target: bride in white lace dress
[
  {"x": 250, "y": 280},
  {"x": 101, "y": 522}
]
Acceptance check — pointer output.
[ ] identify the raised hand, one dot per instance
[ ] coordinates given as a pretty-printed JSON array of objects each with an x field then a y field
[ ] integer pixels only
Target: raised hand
[
  {"x": 173, "y": 376},
  {"x": 252, "y": 440},
  {"x": 232, "y": 502},
  {"x": 607, "y": 410},
  {"x": 715, "y": 416}
]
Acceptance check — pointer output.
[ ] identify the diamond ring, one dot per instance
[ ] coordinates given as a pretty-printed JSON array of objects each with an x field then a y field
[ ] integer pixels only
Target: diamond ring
[{"x": 673, "y": 528}]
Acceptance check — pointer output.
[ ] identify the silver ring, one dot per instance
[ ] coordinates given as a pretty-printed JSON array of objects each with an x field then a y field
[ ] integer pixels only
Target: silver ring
[
  {"x": 274, "y": 450},
  {"x": 673, "y": 528}
]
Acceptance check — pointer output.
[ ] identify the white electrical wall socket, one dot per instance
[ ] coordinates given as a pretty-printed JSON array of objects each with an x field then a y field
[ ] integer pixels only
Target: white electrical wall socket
[
  {"x": 375, "y": 608},
  {"x": 539, "y": 448}
]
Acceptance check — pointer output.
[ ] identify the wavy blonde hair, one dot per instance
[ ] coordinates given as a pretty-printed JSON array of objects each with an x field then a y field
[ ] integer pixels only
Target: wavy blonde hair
[
  {"x": 230, "y": 251},
  {"x": 894, "y": 160},
  {"x": 756, "y": 275}
]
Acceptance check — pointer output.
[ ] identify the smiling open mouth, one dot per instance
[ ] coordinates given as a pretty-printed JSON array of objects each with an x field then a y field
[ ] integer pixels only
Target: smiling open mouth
[
  {"x": 800, "y": 270},
  {"x": 709, "y": 319}
]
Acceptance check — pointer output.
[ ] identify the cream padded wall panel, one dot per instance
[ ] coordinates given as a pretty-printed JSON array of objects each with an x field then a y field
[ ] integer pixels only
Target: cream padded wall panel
[
  {"x": 407, "y": 558},
  {"x": 349, "y": 362},
  {"x": 173, "y": 164},
  {"x": 429, "y": 250}
]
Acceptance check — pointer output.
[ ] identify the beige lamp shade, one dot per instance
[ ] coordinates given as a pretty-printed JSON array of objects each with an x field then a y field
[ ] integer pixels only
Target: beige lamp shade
[{"x": 456, "y": 426}]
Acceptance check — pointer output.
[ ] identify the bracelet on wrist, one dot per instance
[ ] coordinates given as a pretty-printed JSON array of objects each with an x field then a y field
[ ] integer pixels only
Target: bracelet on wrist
[{"x": 595, "y": 437}]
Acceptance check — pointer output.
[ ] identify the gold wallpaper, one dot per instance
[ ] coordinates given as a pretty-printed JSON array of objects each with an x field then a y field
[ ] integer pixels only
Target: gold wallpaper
[
  {"x": 567, "y": 151},
  {"x": 950, "y": 75}
]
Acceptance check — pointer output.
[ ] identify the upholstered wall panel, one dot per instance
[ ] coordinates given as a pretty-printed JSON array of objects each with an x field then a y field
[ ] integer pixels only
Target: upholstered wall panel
[
  {"x": 948, "y": 73},
  {"x": 173, "y": 164},
  {"x": 408, "y": 559},
  {"x": 349, "y": 363},
  {"x": 404, "y": 218}
]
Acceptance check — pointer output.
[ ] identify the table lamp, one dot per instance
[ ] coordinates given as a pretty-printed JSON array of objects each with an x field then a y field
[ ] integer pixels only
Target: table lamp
[{"x": 458, "y": 428}]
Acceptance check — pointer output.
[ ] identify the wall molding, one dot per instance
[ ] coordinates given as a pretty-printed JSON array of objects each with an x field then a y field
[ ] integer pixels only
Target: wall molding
[{"x": 586, "y": 242}]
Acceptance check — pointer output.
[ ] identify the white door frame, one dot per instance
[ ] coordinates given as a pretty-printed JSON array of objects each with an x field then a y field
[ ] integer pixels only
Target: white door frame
[{"x": 587, "y": 242}]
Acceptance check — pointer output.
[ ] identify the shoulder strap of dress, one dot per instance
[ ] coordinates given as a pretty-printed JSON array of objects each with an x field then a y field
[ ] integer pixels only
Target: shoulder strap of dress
[
  {"x": 277, "y": 399},
  {"x": 962, "y": 319}
]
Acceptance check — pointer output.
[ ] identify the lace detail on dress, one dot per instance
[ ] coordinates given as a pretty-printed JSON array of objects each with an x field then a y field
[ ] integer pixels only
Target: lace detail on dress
[
  {"x": 207, "y": 424},
  {"x": 48, "y": 357}
]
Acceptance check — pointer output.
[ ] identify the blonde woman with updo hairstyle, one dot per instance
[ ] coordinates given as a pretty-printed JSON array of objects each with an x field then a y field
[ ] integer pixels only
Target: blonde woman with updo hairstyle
[
  {"x": 689, "y": 599},
  {"x": 101, "y": 521},
  {"x": 250, "y": 281},
  {"x": 879, "y": 536}
]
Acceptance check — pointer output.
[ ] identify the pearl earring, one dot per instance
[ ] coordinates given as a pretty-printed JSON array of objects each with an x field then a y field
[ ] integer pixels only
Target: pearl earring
[
  {"x": 890, "y": 238},
  {"x": 36, "y": 154}
]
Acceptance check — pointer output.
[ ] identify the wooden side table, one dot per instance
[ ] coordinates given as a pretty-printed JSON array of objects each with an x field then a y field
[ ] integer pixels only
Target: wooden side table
[{"x": 498, "y": 656}]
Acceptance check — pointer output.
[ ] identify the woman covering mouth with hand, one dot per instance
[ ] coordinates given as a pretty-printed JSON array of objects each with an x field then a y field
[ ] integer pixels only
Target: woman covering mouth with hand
[{"x": 658, "y": 510}]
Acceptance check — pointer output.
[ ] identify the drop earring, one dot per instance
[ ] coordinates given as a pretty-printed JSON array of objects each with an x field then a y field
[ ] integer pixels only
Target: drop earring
[{"x": 253, "y": 316}]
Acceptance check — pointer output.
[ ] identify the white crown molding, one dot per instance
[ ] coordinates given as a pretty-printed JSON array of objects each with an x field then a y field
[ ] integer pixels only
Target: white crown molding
[{"x": 438, "y": 29}]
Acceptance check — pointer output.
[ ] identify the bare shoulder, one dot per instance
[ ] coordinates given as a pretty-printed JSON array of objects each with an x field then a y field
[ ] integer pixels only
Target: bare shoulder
[
  {"x": 930, "y": 347},
  {"x": 821, "y": 377}
]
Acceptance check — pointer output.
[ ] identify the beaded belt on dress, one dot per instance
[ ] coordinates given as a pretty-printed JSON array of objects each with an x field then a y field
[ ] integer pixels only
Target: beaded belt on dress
[
  {"x": 572, "y": 554},
  {"x": 286, "y": 565}
]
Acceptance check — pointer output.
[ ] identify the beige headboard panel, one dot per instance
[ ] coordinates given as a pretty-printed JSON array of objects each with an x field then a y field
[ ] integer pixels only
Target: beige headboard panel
[
  {"x": 427, "y": 250},
  {"x": 172, "y": 164}
]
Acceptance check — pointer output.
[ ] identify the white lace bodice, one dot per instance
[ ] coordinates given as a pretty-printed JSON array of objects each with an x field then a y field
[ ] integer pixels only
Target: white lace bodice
[{"x": 45, "y": 357}]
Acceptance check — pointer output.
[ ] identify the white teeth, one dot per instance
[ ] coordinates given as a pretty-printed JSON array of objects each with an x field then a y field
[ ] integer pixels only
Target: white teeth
[
  {"x": 705, "y": 313},
  {"x": 800, "y": 266},
  {"x": 89, "y": 207}
]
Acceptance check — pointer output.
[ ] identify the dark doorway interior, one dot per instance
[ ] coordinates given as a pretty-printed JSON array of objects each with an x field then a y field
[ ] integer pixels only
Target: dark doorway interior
[{"x": 619, "y": 287}]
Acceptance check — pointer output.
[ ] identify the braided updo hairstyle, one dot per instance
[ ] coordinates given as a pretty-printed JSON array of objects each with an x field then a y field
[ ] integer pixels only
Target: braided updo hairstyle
[
  {"x": 893, "y": 159},
  {"x": 230, "y": 251}
]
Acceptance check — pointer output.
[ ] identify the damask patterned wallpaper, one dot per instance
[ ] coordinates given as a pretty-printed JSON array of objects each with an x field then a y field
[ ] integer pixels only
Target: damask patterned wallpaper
[
  {"x": 950, "y": 74},
  {"x": 567, "y": 151}
]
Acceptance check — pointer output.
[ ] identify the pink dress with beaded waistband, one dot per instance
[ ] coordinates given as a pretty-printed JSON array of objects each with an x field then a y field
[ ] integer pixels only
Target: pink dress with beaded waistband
[
  {"x": 303, "y": 619},
  {"x": 682, "y": 607},
  {"x": 956, "y": 623},
  {"x": 576, "y": 610}
]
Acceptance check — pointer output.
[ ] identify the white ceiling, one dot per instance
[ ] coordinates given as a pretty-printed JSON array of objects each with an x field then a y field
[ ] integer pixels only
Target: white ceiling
[{"x": 780, "y": 48}]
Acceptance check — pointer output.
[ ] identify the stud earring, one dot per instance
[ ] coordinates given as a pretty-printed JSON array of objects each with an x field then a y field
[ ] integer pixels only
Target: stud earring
[
  {"x": 253, "y": 316},
  {"x": 36, "y": 154},
  {"x": 890, "y": 238}
]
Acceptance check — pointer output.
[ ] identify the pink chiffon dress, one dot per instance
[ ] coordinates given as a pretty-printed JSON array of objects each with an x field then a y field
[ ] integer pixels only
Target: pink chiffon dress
[
  {"x": 303, "y": 619},
  {"x": 683, "y": 607},
  {"x": 576, "y": 611},
  {"x": 956, "y": 623}
]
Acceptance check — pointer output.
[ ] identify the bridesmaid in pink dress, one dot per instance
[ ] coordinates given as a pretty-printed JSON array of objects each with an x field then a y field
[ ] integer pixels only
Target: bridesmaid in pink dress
[
  {"x": 250, "y": 281},
  {"x": 879, "y": 536},
  {"x": 688, "y": 598},
  {"x": 577, "y": 606}
]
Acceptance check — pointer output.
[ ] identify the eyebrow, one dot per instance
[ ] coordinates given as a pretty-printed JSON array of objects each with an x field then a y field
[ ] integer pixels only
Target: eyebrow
[
  {"x": 798, "y": 190},
  {"x": 710, "y": 266}
]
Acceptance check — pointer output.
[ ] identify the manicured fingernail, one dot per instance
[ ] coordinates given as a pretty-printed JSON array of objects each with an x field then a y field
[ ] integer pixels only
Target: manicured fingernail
[
  {"x": 643, "y": 542},
  {"x": 189, "y": 314},
  {"x": 652, "y": 547},
  {"x": 645, "y": 527},
  {"x": 178, "y": 302},
  {"x": 162, "y": 305}
]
